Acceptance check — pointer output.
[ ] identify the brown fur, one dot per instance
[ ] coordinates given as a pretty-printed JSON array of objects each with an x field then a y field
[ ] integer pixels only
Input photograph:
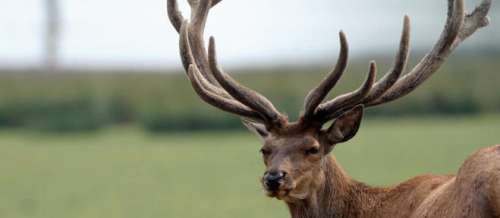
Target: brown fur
[{"x": 473, "y": 192}]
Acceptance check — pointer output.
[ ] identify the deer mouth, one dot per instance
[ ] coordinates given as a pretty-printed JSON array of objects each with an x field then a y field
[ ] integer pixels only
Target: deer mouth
[
  {"x": 283, "y": 191},
  {"x": 288, "y": 194},
  {"x": 279, "y": 194}
]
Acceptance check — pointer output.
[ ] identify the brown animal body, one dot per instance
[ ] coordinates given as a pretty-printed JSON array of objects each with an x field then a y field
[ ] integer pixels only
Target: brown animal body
[
  {"x": 472, "y": 193},
  {"x": 299, "y": 168}
]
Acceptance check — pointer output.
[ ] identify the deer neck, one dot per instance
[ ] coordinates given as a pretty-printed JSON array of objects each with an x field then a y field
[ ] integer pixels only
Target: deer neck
[{"x": 337, "y": 196}]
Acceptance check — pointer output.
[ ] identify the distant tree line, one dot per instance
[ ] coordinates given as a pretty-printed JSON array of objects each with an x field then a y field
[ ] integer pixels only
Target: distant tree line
[{"x": 79, "y": 101}]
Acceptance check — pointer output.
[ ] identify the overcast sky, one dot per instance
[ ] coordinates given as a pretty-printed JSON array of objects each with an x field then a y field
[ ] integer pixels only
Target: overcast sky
[{"x": 137, "y": 32}]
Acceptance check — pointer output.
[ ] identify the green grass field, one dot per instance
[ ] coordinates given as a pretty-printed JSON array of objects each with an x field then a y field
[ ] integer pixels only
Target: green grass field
[{"x": 122, "y": 172}]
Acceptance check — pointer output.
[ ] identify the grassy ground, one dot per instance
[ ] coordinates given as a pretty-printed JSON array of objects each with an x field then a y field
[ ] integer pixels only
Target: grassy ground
[{"x": 122, "y": 172}]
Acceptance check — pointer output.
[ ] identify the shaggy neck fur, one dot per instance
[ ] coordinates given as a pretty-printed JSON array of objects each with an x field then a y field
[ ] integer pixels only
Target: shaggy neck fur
[{"x": 337, "y": 196}]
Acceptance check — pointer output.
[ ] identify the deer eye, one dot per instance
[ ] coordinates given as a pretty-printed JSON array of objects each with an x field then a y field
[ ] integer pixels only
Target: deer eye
[
  {"x": 265, "y": 151},
  {"x": 312, "y": 151}
]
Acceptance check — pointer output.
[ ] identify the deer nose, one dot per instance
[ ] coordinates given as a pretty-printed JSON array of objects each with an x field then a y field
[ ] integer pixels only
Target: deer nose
[{"x": 273, "y": 179}]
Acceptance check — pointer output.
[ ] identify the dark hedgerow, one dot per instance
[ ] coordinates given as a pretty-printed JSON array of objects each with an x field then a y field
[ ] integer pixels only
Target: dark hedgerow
[
  {"x": 158, "y": 120},
  {"x": 80, "y": 101}
]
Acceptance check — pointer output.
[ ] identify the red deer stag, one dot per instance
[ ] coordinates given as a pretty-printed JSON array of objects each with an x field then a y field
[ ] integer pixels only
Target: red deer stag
[{"x": 299, "y": 169}]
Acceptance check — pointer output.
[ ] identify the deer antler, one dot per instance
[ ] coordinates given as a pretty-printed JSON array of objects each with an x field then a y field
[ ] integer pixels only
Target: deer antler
[
  {"x": 318, "y": 94},
  {"x": 209, "y": 81},
  {"x": 220, "y": 90},
  {"x": 368, "y": 92},
  {"x": 459, "y": 26}
]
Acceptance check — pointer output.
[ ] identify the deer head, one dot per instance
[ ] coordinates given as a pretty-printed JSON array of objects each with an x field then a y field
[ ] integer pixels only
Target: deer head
[{"x": 294, "y": 152}]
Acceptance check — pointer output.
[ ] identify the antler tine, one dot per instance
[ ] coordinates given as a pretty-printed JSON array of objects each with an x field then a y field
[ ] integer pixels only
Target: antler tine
[
  {"x": 241, "y": 93},
  {"x": 335, "y": 107},
  {"x": 199, "y": 14},
  {"x": 175, "y": 15},
  {"x": 458, "y": 27},
  {"x": 178, "y": 21},
  {"x": 184, "y": 46},
  {"x": 473, "y": 21},
  {"x": 198, "y": 82},
  {"x": 400, "y": 62},
  {"x": 318, "y": 94},
  {"x": 214, "y": 2},
  {"x": 369, "y": 91},
  {"x": 187, "y": 59},
  {"x": 207, "y": 91}
]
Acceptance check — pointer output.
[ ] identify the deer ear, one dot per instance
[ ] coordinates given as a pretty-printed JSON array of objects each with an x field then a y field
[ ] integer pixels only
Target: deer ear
[
  {"x": 257, "y": 128},
  {"x": 346, "y": 126}
]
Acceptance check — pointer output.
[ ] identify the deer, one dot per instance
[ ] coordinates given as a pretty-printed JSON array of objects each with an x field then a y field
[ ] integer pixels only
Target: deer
[{"x": 299, "y": 167}]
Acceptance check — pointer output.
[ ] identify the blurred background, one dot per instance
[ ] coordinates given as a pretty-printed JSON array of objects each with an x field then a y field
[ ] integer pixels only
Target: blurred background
[{"x": 97, "y": 119}]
